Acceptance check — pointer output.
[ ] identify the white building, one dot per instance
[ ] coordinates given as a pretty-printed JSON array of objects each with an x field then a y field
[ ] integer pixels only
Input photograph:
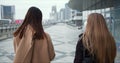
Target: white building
[
  {"x": 77, "y": 18},
  {"x": 65, "y": 14},
  {"x": 53, "y": 15},
  {"x": 61, "y": 15},
  {"x": 68, "y": 13}
]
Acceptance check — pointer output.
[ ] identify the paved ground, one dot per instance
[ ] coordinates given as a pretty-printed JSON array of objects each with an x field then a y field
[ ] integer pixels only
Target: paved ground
[{"x": 64, "y": 38}]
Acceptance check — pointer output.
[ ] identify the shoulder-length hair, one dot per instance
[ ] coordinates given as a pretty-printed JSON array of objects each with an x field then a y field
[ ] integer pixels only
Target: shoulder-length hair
[
  {"x": 34, "y": 19},
  {"x": 98, "y": 40}
]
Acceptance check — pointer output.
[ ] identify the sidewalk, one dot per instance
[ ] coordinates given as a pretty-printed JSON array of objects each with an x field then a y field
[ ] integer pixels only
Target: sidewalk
[{"x": 64, "y": 38}]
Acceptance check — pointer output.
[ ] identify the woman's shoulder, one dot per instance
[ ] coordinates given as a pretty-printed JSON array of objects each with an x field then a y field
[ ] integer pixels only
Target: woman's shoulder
[
  {"x": 80, "y": 39},
  {"x": 47, "y": 34},
  {"x": 80, "y": 34}
]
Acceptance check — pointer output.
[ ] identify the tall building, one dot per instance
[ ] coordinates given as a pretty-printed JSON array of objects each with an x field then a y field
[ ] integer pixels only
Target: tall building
[
  {"x": 54, "y": 10},
  {"x": 7, "y": 12},
  {"x": 65, "y": 14},
  {"x": 77, "y": 17},
  {"x": 68, "y": 13},
  {"x": 59, "y": 16},
  {"x": 62, "y": 15}
]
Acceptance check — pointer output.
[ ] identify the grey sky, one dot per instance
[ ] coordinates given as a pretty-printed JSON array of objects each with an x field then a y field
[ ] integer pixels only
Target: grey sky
[{"x": 21, "y": 6}]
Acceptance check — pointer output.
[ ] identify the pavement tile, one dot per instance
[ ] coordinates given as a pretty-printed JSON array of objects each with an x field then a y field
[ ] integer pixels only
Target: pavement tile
[{"x": 63, "y": 37}]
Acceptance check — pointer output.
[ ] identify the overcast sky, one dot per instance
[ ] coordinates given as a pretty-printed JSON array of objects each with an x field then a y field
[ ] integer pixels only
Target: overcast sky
[{"x": 21, "y": 6}]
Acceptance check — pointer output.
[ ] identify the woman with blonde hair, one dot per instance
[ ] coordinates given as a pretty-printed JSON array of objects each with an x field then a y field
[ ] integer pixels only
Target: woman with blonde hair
[
  {"x": 96, "y": 44},
  {"x": 31, "y": 43}
]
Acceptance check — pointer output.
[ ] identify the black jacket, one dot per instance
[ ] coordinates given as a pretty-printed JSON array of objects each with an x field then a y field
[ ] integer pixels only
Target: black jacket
[
  {"x": 79, "y": 56},
  {"x": 79, "y": 52}
]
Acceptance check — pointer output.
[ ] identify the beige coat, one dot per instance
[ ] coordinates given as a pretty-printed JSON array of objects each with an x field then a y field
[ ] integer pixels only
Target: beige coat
[{"x": 43, "y": 49}]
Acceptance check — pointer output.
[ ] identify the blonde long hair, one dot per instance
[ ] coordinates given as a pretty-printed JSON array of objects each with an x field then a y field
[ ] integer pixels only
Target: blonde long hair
[{"x": 98, "y": 40}]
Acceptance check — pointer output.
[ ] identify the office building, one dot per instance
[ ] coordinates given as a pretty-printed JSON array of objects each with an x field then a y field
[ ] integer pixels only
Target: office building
[{"x": 7, "y": 12}]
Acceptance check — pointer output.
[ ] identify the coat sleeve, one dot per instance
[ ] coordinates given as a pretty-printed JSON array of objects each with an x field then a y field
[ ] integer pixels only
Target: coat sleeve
[
  {"x": 14, "y": 44},
  {"x": 51, "y": 49},
  {"x": 79, "y": 52}
]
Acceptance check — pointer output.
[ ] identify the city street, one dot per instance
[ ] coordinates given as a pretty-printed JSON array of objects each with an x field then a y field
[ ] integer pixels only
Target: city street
[{"x": 64, "y": 38}]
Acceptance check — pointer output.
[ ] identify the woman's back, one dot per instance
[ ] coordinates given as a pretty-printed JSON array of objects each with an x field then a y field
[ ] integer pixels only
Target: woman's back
[
  {"x": 24, "y": 48},
  {"x": 98, "y": 40},
  {"x": 31, "y": 43}
]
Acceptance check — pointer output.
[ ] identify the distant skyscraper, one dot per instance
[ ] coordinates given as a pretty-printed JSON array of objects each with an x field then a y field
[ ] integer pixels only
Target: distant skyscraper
[
  {"x": 62, "y": 15},
  {"x": 53, "y": 14},
  {"x": 68, "y": 12},
  {"x": 54, "y": 10},
  {"x": 65, "y": 14},
  {"x": 7, "y": 12}
]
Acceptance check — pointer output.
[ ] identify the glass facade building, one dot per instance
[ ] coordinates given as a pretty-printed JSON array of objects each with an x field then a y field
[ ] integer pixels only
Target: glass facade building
[
  {"x": 7, "y": 12},
  {"x": 110, "y": 9}
]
